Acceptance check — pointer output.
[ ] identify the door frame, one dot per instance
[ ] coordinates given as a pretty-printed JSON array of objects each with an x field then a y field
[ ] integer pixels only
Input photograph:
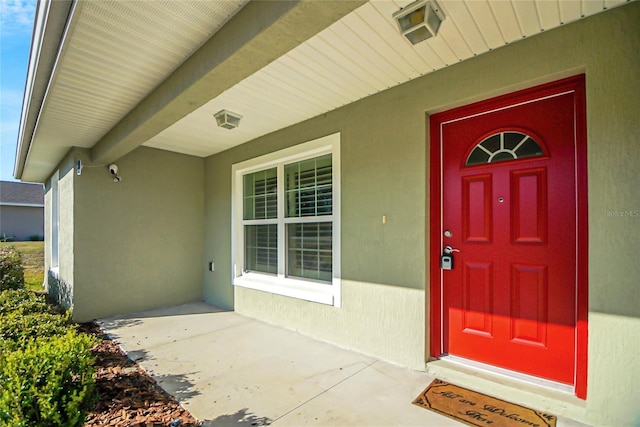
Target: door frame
[{"x": 434, "y": 322}]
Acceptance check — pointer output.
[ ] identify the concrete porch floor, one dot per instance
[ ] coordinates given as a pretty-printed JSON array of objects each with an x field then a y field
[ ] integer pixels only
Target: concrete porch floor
[{"x": 231, "y": 370}]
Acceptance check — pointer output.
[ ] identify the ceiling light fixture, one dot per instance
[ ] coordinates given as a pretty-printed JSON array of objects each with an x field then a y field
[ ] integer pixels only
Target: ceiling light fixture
[
  {"x": 226, "y": 119},
  {"x": 420, "y": 20}
]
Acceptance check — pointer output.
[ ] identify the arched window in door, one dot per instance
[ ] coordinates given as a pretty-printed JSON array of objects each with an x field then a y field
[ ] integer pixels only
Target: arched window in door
[{"x": 503, "y": 146}]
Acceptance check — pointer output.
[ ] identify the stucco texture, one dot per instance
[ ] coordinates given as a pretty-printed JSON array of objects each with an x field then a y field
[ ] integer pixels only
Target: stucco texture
[
  {"x": 384, "y": 157},
  {"x": 59, "y": 275},
  {"x": 136, "y": 244}
]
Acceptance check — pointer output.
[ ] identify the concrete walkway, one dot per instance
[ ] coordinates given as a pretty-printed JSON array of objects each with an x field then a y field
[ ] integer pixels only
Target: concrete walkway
[{"x": 230, "y": 370}]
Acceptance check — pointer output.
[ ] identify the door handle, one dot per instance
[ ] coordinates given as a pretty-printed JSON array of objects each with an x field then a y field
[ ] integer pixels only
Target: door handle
[{"x": 446, "y": 260}]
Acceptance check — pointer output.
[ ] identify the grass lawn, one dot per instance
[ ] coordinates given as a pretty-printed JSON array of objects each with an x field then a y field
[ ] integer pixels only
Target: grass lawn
[{"x": 32, "y": 261}]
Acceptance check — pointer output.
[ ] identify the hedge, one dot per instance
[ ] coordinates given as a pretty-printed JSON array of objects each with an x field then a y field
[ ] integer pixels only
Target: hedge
[{"x": 46, "y": 366}]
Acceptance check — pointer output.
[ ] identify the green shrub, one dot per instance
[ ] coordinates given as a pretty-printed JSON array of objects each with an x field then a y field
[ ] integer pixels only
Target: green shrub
[
  {"x": 25, "y": 317},
  {"x": 22, "y": 301},
  {"x": 11, "y": 271},
  {"x": 46, "y": 366},
  {"x": 49, "y": 382},
  {"x": 18, "y": 330},
  {"x": 36, "y": 238}
]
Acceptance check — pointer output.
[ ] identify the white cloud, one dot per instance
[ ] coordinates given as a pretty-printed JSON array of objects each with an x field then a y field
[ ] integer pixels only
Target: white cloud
[{"x": 17, "y": 15}]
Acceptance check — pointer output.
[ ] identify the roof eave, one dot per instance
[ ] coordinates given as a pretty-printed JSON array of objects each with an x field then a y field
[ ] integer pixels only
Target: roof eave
[{"x": 49, "y": 26}]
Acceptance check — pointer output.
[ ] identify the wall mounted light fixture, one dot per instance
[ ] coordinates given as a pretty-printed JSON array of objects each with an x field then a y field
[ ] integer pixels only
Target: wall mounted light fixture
[
  {"x": 226, "y": 119},
  {"x": 419, "y": 20}
]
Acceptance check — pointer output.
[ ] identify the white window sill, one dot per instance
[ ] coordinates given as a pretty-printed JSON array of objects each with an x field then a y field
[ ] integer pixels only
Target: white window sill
[{"x": 309, "y": 291}]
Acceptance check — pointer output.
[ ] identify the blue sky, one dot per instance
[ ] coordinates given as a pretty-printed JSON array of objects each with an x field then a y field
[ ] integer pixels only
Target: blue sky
[{"x": 16, "y": 25}]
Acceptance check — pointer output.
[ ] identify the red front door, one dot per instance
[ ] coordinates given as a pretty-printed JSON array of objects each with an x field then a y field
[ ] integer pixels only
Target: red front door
[{"x": 508, "y": 212}]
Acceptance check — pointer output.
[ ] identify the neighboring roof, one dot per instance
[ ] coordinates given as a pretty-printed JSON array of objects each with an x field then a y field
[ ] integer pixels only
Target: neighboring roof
[
  {"x": 111, "y": 76},
  {"x": 21, "y": 194}
]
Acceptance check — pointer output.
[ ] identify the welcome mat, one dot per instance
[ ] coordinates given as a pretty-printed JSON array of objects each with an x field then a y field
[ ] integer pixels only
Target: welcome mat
[{"x": 477, "y": 409}]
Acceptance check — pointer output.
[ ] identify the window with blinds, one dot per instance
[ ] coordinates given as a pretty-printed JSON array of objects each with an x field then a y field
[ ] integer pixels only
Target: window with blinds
[
  {"x": 309, "y": 195},
  {"x": 261, "y": 231},
  {"x": 305, "y": 224},
  {"x": 260, "y": 195},
  {"x": 285, "y": 222},
  {"x": 308, "y": 187}
]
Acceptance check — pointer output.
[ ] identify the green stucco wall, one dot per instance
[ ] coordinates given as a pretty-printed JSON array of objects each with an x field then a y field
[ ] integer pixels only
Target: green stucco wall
[
  {"x": 47, "y": 230},
  {"x": 59, "y": 279},
  {"x": 137, "y": 244},
  {"x": 384, "y": 171}
]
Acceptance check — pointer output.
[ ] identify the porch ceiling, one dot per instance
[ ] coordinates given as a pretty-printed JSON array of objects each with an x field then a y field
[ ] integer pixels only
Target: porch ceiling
[{"x": 133, "y": 73}]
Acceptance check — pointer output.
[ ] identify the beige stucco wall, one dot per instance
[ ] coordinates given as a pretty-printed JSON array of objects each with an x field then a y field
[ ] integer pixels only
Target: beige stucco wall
[
  {"x": 384, "y": 171},
  {"x": 132, "y": 245}
]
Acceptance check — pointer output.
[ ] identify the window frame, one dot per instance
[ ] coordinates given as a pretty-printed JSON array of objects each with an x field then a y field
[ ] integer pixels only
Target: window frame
[
  {"x": 502, "y": 149},
  {"x": 280, "y": 284}
]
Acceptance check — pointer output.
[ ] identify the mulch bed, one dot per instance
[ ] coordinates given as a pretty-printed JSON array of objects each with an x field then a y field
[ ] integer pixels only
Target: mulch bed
[{"x": 127, "y": 395}]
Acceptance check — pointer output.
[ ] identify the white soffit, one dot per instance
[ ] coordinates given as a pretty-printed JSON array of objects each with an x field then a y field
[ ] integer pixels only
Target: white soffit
[
  {"x": 358, "y": 56},
  {"x": 117, "y": 53}
]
